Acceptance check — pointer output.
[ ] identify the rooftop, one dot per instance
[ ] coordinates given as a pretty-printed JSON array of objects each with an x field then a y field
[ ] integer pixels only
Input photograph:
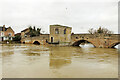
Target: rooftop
[
  {"x": 25, "y": 30},
  {"x": 60, "y": 25},
  {"x": 17, "y": 34}
]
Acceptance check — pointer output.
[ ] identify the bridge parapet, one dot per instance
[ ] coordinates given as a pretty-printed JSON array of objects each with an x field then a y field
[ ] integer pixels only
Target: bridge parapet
[
  {"x": 111, "y": 36},
  {"x": 103, "y": 41},
  {"x": 41, "y": 39}
]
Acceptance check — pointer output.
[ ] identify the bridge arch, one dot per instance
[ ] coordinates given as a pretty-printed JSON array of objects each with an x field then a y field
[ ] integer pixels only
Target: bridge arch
[
  {"x": 114, "y": 44},
  {"x": 78, "y": 42},
  {"x": 36, "y": 42}
]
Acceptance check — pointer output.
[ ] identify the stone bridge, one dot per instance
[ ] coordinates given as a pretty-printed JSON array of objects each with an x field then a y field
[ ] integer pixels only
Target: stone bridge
[
  {"x": 41, "y": 40},
  {"x": 61, "y": 35},
  {"x": 100, "y": 41},
  {"x": 76, "y": 39}
]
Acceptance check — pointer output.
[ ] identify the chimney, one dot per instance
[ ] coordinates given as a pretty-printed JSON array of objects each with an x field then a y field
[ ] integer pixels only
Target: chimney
[{"x": 3, "y": 27}]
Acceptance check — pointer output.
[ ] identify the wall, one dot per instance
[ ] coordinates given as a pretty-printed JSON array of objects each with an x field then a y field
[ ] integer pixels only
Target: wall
[
  {"x": 97, "y": 40},
  {"x": 23, "y": 33},
  {"x": 103, "y": 41},
  {"x": 9, "y": 31},
  {"x": 41, "y": 39},
  {"x": 61, "y": 37}
]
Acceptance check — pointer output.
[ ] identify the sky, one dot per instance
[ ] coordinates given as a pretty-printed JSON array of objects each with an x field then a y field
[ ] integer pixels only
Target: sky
[{"x": 81, "y": 15}]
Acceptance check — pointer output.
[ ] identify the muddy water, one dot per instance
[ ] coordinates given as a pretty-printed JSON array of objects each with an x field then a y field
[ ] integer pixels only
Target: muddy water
[
  {"x": 0, "y": 62},
  {"x": 37, "y": 61}
]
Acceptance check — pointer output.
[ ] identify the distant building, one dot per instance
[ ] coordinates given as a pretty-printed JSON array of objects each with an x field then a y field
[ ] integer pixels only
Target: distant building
[
  {"x": 59, "y": 33},
  {"x": 24, "y": 33},
  {"x": 6, "y": 33}
]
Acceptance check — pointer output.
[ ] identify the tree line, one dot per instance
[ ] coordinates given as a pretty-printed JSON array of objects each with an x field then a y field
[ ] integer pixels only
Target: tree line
[
  {"x": 34, "y": 32},
  {"x": 100, "y": 30}
]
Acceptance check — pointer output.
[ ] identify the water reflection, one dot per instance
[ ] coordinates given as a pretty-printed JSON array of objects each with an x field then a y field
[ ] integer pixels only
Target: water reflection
[
  {"x": 7, "y": 50},
  {"x": 37, "y": 61},
  {"x": 0, "y": 61},
  {"x": 117, "y": 46},
  {"x": 30, "y": 53},
  {"x": 58, "y": 58},
  {"x": 7, "y": 53},
  {"x": 86, "y": 45}
]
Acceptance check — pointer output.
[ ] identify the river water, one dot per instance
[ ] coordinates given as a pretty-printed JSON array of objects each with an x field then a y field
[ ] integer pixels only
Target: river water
[{"x": 38, "y": 61}]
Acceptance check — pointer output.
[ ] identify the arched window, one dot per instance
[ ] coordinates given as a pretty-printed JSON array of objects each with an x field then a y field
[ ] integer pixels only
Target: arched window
[
  {"x": 65, "y": 31},
  {"x": 56, "y": 31}
]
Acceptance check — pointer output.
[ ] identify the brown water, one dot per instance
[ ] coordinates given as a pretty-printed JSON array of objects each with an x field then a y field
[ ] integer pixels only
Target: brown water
[{"x": 37, "y": 61}]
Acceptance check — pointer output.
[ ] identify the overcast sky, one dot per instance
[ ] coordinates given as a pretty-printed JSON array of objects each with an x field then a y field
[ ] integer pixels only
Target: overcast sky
[{"x": 78, "y": 14}]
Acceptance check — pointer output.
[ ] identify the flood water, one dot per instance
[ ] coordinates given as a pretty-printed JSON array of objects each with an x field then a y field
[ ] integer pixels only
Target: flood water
[{"x": 38, "y": 61}]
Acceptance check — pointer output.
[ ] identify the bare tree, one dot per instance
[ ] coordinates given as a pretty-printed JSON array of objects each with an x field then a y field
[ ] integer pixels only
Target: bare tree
[
  {"x": 100, "y": 30},
  {"x": 91, "y": 31}
]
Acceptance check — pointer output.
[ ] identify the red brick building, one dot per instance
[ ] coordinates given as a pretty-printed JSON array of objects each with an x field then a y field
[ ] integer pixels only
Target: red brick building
[{"x": 6, "y": 33}]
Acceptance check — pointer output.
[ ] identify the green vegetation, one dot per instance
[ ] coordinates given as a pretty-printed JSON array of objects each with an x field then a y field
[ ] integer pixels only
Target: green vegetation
[
  {"x": 17, "y": 38},
  {"x": 34, "y": 32}
]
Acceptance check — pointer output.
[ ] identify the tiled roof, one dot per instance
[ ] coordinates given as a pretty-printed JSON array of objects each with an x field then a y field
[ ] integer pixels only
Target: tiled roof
[
  {"x": 60, "y": 25},
  {"x": 25, "y": 30}
]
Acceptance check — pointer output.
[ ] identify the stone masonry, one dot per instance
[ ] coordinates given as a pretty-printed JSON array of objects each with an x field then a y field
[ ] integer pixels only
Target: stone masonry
[{"x": 61, "y": 35}]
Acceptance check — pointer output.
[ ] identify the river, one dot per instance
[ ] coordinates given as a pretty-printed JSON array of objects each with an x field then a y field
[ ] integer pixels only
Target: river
[{"x": 38, "y": 61}]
